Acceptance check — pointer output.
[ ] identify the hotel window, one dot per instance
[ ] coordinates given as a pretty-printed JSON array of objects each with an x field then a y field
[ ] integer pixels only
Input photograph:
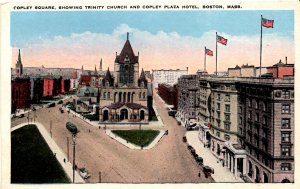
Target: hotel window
[
  {"x": 227, "y": 98},
  {"x": 241, "y": 110},
  {"x": 104, "y": 95},
  {"x": 263, "y": 104},
  {"x": 108, "y": 94},
  {"x": 264, "y": 121},
  {"x": 227, "y": 117},
  {"x": 285, "y": 137},
  {"x": 250, "y": 115},
  {"x": 249, "y": 103},
  {"x": 218, "y": 134},
  {"x": 241, "y": 121},
  {"x": 241, "y": 131},
  {"x": 218, "y": 106},
  {"x": 218, "y": 96},
  {"x": 285, "y": 108},
  {"x": 286, "y": 167},
  {"x": 286, "y": 94},
  {"x": 218, "y": 115},
  {"x": 255, "y": 104},
  {"x": 226, "y": 137},
  {"x": 257, "y": 117},
  {"x": 285, "y": 123},
  {"x": 285, "y": 151},
  {"x": 265, "y": 146},
  {"x": 218, "y": 124},
  {"x": 227, "y": 108},
  {"x": 227, "y": 127}
]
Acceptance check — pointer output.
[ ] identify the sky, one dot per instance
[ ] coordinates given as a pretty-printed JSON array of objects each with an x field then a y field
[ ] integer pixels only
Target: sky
[{"x": 164, "y": 39}]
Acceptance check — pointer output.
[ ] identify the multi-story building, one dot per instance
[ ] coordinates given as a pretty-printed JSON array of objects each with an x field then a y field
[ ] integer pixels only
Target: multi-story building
[
  {"x": 266, "y": 128},
  {"x": 20, "y": 93},
  {"x": 247, "y": 123},
  {"x": 168, "y": 76},
  {"x": 188, "y": 101},
  {"x": 123, "y": 96},
  {"x": 169, "y": 94}
]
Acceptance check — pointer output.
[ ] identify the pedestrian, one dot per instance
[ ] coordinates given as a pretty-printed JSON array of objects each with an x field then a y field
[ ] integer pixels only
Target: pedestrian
[
  {"x": 64, "y": 160},
  {"x": 199, "y": 174},
  {"x": 89, "y": 131}
]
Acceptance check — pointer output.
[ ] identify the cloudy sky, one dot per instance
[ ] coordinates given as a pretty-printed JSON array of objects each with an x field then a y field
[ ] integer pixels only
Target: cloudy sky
[{"x": 164, "y": 39}]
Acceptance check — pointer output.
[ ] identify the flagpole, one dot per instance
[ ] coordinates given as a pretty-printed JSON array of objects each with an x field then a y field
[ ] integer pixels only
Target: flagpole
[
  {"x": 204, "y": 59},
  {"x": 260, "y": 45},
  {"x": 216, "y": 54}
]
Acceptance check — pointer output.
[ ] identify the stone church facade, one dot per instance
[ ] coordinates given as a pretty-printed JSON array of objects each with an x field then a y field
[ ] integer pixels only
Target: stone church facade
[{"x": 123, "y": 95}]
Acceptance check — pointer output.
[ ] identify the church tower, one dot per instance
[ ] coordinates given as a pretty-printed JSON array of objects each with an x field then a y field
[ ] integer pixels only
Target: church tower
[
  {"x": 19, "y": 66},
  {"x": 127, "y": 66}
]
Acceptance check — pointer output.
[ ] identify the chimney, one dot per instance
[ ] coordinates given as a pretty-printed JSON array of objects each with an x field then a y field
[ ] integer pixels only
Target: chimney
[{"x": 286, "y": 60}]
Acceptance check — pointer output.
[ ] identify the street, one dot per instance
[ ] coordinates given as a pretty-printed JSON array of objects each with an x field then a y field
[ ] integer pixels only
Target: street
[{"x": 168, "y": 162}]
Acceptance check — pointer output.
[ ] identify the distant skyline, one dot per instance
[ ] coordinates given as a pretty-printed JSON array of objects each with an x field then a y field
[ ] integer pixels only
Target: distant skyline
[{"x": 165, "y": 39}]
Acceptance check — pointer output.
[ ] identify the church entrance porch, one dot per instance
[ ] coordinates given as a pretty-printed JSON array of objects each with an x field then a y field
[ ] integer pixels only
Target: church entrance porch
[{"x": 124, "y": 112}]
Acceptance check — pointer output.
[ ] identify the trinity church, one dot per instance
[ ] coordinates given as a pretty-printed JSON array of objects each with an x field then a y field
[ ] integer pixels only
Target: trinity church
[{"x": 123, "y": 95}]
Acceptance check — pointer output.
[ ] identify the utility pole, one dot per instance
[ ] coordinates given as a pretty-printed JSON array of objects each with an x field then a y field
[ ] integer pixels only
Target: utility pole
[
  {"x": 99, "y": 176},
  {"x": 68, "y": 148},
  {"x": 51, "y": 128}
]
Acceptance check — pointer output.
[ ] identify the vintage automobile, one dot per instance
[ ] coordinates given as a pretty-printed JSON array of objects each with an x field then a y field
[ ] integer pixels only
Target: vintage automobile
[{"x": 208, "y": 171}]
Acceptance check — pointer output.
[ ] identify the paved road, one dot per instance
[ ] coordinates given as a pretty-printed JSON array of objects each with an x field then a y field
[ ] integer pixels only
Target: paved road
[{"x": 168, "y": 162}]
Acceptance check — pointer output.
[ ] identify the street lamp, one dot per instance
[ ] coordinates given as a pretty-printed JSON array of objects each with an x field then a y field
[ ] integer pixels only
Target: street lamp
[{"x": 73, "y": 130}]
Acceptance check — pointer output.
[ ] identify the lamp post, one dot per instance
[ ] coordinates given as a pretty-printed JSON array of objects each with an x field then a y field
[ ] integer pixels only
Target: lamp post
[
  {"x": 73, "y": 130},
  {"x": 74, "y": 140}
]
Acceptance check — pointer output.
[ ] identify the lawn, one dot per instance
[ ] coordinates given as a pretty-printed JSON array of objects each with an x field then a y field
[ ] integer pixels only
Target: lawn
[
  {"x": 137, "y": 137},
  {"x": 32, "y": 161}
]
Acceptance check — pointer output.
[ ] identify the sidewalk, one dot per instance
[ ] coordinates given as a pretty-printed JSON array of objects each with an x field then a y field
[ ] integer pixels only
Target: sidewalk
[
  {"x": 60, "y": 155},
  {"x": 133, "y": 146},
  {"x": 221, "y": 174}
]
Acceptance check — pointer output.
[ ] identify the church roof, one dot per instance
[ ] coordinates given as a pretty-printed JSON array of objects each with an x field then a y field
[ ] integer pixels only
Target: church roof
[
  {"x": 127, "y": 52},
  {"x": 108, "y": 75},
  {"x": 129, "y": 105}
]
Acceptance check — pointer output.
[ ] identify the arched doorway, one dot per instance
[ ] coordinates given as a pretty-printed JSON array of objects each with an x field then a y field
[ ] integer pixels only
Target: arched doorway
[
  {"x": 142, "y": 115},
  {"x": 285, "y": 181},
  {"x": 105, "y": 115},
  {"x": 218, "y": 149},
  {"x": 265, "y": 178},
  {"x": 124, "y": 114},
  {"x": 250, "y": 173},
  {"x": 257, "y": 174}
]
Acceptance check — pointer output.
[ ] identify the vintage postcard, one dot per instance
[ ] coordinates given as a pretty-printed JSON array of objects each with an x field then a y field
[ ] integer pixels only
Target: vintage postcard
[{"x": 168, "y": 93}]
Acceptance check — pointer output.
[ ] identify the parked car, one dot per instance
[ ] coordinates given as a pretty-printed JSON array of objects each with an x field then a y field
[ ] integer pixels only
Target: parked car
[
  {"x": 192, "y": 126},
  {"x": 208, "y": 171},
  {"x": 199, "y": 160},
  {"x": 172, "y": 113}
]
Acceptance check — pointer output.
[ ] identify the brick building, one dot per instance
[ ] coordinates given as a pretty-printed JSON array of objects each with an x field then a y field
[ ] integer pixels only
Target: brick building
[
  {"x": 281, "y": 70},
  {"x": 169, "y": 94},
  {"x": 20, "y": 93}
]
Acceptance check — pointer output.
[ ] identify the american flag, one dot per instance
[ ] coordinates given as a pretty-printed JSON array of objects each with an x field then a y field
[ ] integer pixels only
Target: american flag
[
  {"x": 209, "y": 52},
  {"x": 221, "y": 40},
  {"x": 267, "y": 23}
]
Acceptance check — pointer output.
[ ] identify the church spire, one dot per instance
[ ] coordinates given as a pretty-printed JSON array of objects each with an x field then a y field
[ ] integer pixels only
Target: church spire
[
  {"x": 19, "y": 57},
  {"x": 100, "y": 67},
  {"x": 19, "y": 66},
  {"x": 127, "y": 36},
  {"x": 95, "y": 72}
]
